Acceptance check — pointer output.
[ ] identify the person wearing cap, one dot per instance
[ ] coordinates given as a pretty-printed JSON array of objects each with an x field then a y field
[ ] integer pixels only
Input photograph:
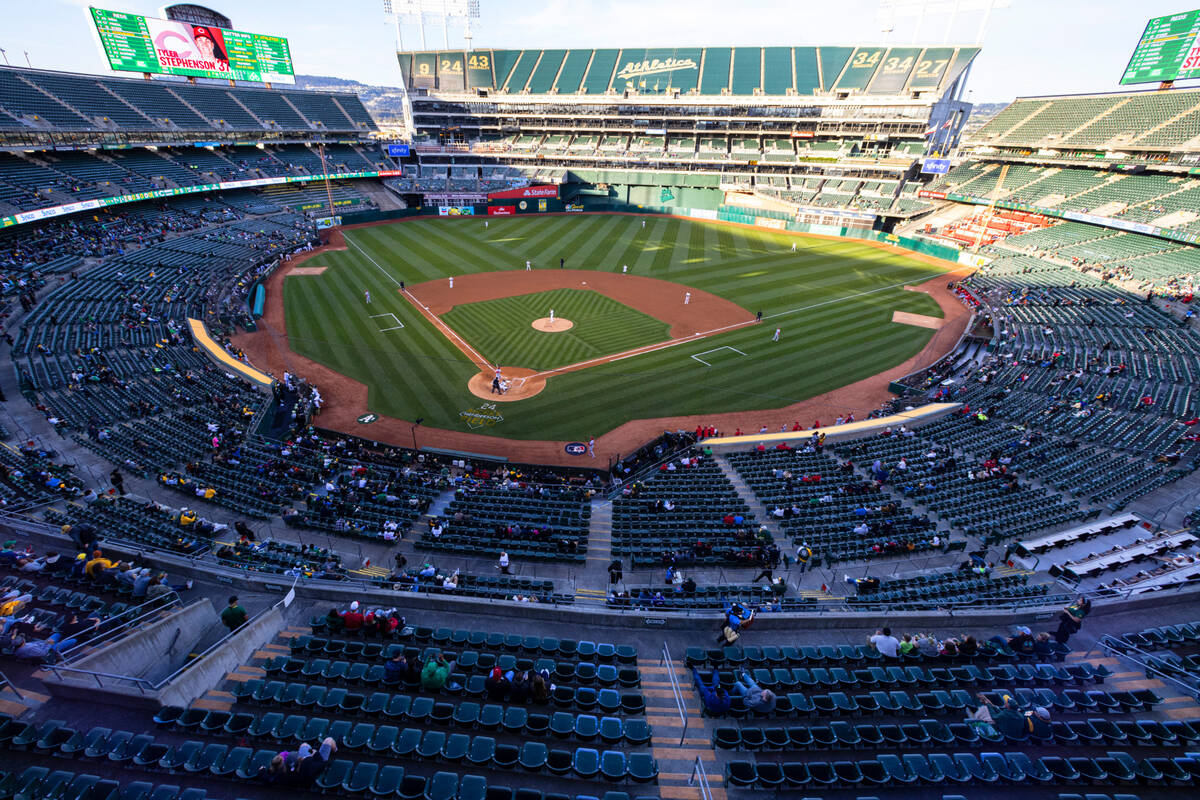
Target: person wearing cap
[
  {"x": 496, "y": 685},
  {"x": 353, "y": 619},
  {"x": 234, "y": 616},
  {"x": 1037, "y": 721},
  {"x": 8, "y": 553},
  {"x": 96, "y": 562},
  {"x": 436, "y": 672}
]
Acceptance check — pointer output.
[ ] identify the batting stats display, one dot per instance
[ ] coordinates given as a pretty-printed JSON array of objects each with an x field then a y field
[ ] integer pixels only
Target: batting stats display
[
  {"x": 1169, "y": 50},
  {"x": 134, "y": 43}
]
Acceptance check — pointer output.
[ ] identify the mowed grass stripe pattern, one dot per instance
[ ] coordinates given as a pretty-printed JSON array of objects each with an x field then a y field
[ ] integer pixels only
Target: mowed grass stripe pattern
[
  {"x": 833, "y": 333},
  {"x": 502, "y": 329}
]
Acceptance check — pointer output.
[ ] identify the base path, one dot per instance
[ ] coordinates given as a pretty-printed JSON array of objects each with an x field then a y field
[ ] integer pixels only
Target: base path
[
  {"x": 662, "y": 300},
  {"x": 346, "y": 398}
]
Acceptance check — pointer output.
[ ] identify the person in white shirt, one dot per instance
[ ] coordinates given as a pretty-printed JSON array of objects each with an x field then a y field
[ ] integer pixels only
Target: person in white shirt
[
  {"x": 885, "y": 643},
  {"x": 503, "y": 562}
]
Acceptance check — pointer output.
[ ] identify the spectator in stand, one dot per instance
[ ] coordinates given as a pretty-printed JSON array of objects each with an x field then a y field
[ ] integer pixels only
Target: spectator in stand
[
  {"x": 352, "y": 620},
  {"x": 234, "y": 616},
  {"x": 755, "y": 697},
  {"x": 887, "y": 645},
  {"x": 436, "y": 672},
  {"x": 1020, "y": 642},
  {"x": 1071, "y": 619},
  {"x": 496, "y": 685},
  {"x": 395, "y": 670},
  {"x": 716, "y": 700},
  {"x": 518, "y": 692},
  {"x": 540, "y": 688},
  {"x": 333, "y": 621},
  {"x": 928, "y": 646}
]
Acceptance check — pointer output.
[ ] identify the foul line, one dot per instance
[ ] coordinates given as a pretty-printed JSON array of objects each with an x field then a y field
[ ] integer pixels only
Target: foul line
[
  {"x": 458, "y": 341},
  {"x": 387, "y": 274},
  {"x": 479, "y": 360},
  {"x": 654, "y": 348}
]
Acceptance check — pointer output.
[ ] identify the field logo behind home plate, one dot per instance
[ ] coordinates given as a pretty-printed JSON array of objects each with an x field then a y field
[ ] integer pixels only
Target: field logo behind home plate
[{"x": 483, "y": 416}]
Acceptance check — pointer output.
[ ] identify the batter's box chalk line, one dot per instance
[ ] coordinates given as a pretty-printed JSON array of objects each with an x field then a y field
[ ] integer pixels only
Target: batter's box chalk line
[
  {"x": 715, "y": 350},
  {"x": 395, "y": 319}
]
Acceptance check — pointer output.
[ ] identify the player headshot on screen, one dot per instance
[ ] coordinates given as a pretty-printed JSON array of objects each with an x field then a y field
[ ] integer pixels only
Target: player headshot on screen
[{"x": 210, "y": 43}]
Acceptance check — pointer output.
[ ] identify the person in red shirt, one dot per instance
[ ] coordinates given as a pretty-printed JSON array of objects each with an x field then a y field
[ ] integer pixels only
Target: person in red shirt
[{"x": 353, "y": 619}]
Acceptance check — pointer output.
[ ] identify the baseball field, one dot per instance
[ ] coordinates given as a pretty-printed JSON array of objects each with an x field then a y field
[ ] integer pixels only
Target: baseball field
[{"x": 672, "y": 302}]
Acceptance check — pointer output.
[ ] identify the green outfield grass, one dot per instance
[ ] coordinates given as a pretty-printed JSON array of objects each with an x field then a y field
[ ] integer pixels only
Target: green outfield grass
[
  {"x": 501, "y": 329},
  {"x": 833, "y": 299}
]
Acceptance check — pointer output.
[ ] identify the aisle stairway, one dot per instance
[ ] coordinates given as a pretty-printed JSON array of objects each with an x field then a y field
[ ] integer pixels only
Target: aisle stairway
[
  {"x": 594, "y": 574},
  {"x": 677, "y": 759},
  {"x": 758, "y": 512}
]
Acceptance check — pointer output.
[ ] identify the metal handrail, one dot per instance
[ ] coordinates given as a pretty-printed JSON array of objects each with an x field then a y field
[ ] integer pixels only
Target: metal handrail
[
  {"x": 143, "y": 683},
  {"x": 700, "y": 776},
  {"x": 1105, "y": 643},
  {"x": 665, "y": 658},
  {"x": 142, "y": 613},
  {"x": 5, "y": 683},
  {"x": 1046, "y": 602}
]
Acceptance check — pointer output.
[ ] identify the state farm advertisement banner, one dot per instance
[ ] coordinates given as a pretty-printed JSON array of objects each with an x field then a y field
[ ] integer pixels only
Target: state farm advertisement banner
[
  {"x": 528, "y": 191},
  {"x": 501, "y": 211}
]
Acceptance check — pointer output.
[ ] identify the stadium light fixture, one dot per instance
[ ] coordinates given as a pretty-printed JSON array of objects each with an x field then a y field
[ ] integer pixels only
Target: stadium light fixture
[
  {"x": 892, "y": 10},
  {"x": 443, "y": 13}
]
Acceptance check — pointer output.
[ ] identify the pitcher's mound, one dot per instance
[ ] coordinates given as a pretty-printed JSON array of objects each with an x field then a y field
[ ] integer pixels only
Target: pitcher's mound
[
  {"x": 556, "y": 325},
  {"x": 521, "y": 384}
]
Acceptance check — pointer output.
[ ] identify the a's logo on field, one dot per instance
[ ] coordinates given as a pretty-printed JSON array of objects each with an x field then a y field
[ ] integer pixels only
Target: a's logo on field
[
  {"x": 367, "y": 419},
  {"x": 483, "y": 416},
  {"x": 575, "y": 448}
]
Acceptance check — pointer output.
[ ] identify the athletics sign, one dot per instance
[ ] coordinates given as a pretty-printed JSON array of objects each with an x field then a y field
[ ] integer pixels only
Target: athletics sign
[{"x": 653, "y": 66}]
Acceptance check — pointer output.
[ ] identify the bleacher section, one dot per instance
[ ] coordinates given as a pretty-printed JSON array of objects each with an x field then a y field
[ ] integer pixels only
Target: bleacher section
[
  {"x": 1136, "y": 121},
  {"x": 677, "y": 117},
  {"x": 736, "y": 71},
  {"x": 37, "y": 101}
]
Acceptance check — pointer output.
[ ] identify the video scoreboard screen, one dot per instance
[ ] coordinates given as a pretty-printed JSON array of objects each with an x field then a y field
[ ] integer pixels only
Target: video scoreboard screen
[
  {"x": 1169, "y": 50},
  {"x": 133, "y": 43}
]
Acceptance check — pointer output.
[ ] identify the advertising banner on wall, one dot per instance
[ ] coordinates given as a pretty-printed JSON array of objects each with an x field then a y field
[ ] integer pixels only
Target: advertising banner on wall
[
  {"x": 501, "y": 211},
  {"x": 456, "y": 211},
  {"x": 155, "y": 194},
  {"x": 527, "y": 191}
]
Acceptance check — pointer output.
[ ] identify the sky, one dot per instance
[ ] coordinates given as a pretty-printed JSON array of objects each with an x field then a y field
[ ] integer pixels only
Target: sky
[{"x": 1033, "y": 47}]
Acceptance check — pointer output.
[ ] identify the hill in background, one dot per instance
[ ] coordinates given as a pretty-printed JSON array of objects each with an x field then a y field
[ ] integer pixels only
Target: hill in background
[{"x": 382, "y": 101}]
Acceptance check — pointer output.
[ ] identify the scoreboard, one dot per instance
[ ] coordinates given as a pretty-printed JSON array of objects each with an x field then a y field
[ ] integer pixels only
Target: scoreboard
[
  {"x": 1169, "y": 50},
  {"x": 133, "y": 43}
]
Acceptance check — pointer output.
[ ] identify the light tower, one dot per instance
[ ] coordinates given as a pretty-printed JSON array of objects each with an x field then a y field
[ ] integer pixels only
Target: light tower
[
  {"x": 892, "y": 10},
  {"x": 438, "y": 13}
]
